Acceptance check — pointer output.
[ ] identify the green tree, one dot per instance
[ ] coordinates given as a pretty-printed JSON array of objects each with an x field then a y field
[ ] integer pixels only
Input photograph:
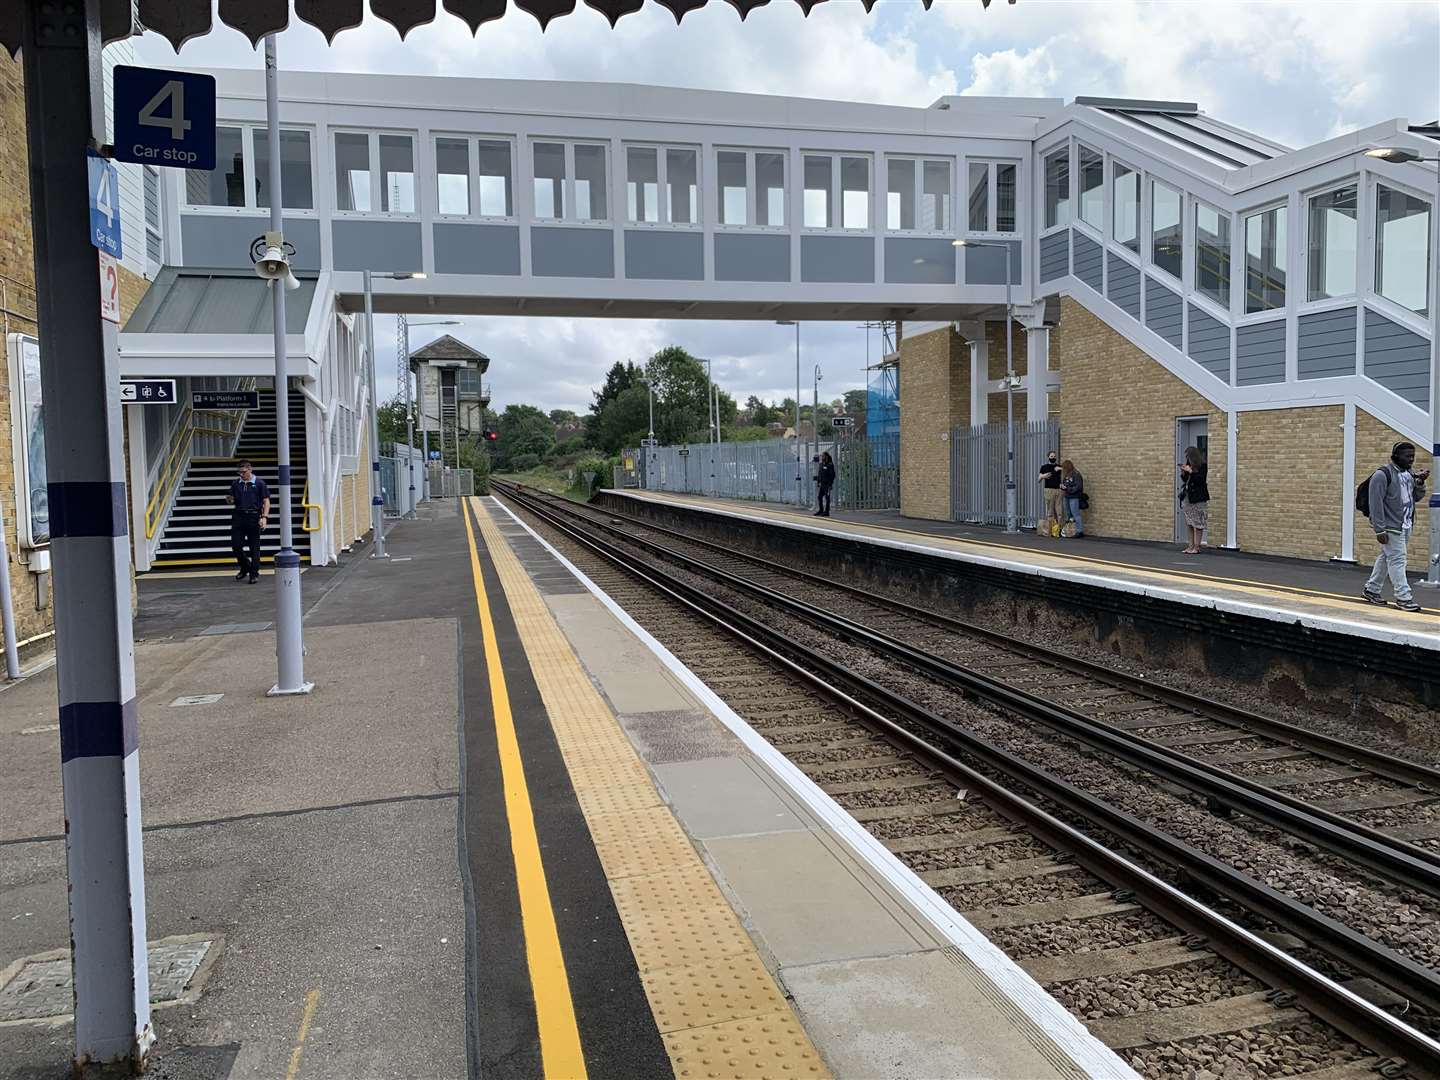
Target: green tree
[
  {"x": 618, "y": 379},
  {"x": 624, "y": 421},
  {"x": 390, "y": 419},
  {"x": 856, "y": 402},
  {"x": 523, "y": 429}
]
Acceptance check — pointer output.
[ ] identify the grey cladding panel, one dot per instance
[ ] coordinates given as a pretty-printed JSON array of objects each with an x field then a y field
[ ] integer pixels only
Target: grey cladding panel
[
  {"x": 837, "y": 258},
  {"x": 1125, "y": 285},
  {"x": 461, "y": 248},
  {"x": 919, "y": 261},
  {"x": 1210, "y": 343},
  {"x": 664, "y": 256},
  {"x": 1163, "y": 312},
  {"x": 1089, "y": 261},
  {"x": 561, "y": 252},
  {"x": 1055, "y": 255},
  {"x": 221, "y": 240},
  {"x": 751, "y": 257},
  {"x": 1326, "y": 345},
  {"x": 1260, "y": 353},
  {"x": 381, "y": 246},
  {"x": 1397, "y": 358},
  {"x": 986, "y": 265}
]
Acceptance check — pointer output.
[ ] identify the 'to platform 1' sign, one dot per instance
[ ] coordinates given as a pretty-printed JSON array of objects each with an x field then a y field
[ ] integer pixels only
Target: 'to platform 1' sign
[
  {"x": 225, "y": 399},
  {"x": 164, "y": 118}
]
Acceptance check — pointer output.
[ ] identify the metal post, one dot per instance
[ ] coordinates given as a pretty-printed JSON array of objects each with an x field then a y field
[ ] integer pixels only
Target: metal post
[
  {"x": 89, "y": 544},
  {"x": 377, "y": 501},
  {"x": 7, "y": 605},
  {"x": 409, "y": 412},
  {"x": 1011, "y": 522},
  {"x": 289, "y": 634},
  {"x": 800, "y": 499},
  {"x": 424, "y": 436},
  {"x": 1432, "y": 572}
]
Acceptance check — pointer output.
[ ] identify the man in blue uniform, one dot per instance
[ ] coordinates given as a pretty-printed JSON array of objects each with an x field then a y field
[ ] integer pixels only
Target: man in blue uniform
[{"x": 250, "y": 499}]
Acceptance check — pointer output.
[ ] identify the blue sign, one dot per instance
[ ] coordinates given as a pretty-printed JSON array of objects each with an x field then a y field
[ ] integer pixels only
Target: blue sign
[
  {"x": 164, "y": 118},
  {"x": 104, "y": 204}
]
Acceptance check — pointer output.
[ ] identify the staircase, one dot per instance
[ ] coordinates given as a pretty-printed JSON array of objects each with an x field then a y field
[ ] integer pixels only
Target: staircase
[{"x": 197, "y": 535}]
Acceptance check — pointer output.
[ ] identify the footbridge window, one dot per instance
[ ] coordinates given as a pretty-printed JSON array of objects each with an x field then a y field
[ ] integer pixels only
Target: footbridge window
[
  {"x": 1127, "y": 206},
  {"x": 651, "y": 170},
  {"x": 1167, "y": 241},
  {"x": 1212, "y": 254},
  {"x": 837, "y": 191},
  {"x": 374, "y": 172},
  {"x": 241, "y": 177},
  {"x": 1402, "y": 248},
  {"x": 1057, "y": 188},
  {"x": 1331, "y": 245},
  {"x": 991, "y": 196},
  {"x": 472, "y": 177},
  {"x": 917, "y": 195},
  {"x": 752, "y": 187},
  {"x": 557, "y": 195},
  {"x": 1265, "y": 258},
  {"x": 1092, "y": 188}
]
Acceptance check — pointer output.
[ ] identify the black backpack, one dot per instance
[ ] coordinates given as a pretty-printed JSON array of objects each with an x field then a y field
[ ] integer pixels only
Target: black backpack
[{"x": 1362, "y": 493}]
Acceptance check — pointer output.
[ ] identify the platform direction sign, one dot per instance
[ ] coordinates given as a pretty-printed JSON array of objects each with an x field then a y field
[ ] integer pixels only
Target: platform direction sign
[
  {"x": 843, "y": 421},
  {"x": 684, "y": 451},
  {"x": 104, "y": 205},
  {"x": 649, "y": 442},
  {"x": 147, "y": 391},
  {"x": 225, "y": 399},
  {"x": 164, "y": 118}
]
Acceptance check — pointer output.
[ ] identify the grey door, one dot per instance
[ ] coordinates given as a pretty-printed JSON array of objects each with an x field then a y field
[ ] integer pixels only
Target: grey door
[{"x": 1189, "y": 431}]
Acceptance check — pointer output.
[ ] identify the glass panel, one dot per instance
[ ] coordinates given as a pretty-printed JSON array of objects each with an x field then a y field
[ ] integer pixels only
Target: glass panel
[
  {"x": 590, "y": 204},
  {"x": 935, "y": 196},
  {"x": 979, "y": 196},
  {"x": 1212, "y": 254},
  {"x": 1127, "y": 207},
  {"x": 855, "y": 192},
  {"x": 682, "y": 195},
  {"x": 817, "y": 193},
  {"x": 549, "y": 180},
  {"x": 1004, "y": 198},
  {"x": 295, "y": 175},
  {"x": 730, "y": 174},
  {"x": 1402, "y": 248},
  {"x": 642, "y": 188},
  {"x": 900, "y": 194},
  {"x": 1331, "y": 244},
  {"x": 1265, "y": 260},
  {"x": 1166, "y": 233},
  {"x": 495, "y": 195},
  {"x": 1057, "y": 188},
  {"x": 1092, "y": 188},
  {"x": 32, "y": 419},
  {"x": 223, "y": 185},
  {"x": 352, "y": 171},
  {"x": 397, "y": 174},
  {"x": 770, "y": 189},
  {"x": 452, "y": 175}
]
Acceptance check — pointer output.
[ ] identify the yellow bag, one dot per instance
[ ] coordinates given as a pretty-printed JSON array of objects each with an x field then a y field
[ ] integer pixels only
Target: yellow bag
[{"x": 1055, "y": 529}]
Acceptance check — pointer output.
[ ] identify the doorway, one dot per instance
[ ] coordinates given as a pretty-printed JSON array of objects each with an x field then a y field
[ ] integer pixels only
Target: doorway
[{"x": 1189, "y": 431}]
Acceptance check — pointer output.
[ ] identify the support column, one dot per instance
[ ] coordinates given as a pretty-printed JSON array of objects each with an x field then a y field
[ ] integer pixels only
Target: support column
[
  {"x": 1232, "y": 479},
  {"x": 1347, "y": 490},
  {"x": 89, "y": 544},
  {"x": 1037, "y": 372},
  {"x": 974, "y": 335}
]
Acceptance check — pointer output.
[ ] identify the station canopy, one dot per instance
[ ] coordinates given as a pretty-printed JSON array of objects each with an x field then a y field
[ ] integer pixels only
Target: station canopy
[{"x": 180, "y": 20}]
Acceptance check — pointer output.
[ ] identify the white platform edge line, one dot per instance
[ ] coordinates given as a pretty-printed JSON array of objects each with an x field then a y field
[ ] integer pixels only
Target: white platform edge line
[
  {"x": 1335, "y": 624},
  {"x": 1064, "y": 1030}
]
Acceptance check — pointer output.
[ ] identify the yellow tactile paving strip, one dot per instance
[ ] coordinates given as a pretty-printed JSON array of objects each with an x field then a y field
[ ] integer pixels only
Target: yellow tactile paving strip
[
  {"x": 717, "y": 1008},
  {"x": 1290, "y": 598}
]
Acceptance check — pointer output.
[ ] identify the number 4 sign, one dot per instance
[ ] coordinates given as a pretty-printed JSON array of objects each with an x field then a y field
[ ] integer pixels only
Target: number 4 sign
[
  {"x": 164, "y": 118},
  {"x": 104, "y": 204}
]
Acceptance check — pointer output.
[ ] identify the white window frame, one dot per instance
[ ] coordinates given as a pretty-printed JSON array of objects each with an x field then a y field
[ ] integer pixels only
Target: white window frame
[
  {"x": 837, "y": 204},
  {"x": 1190, "y": 234},
  {"x": 150, "y": 174},
  {"x": 1237, "y": 242},
  {"x": 249, "y": 132},
  {"x": 1114, "y": 243},
  {"x": 416, "y": 161},
  {"x": 752, "y": 190},
  {"x": 918, "y": 193},
  {"x": 568, "y": 217},
  {"x": 992, "y": 196},
  {"x": 1075, "y": 192},
  {"x": 1147, "y": 195},
  {"x": 1370, "y": 206},
  {"x": 1363, "y": 208},
  {"x": 472, "y": 148},
  {"x": 662, "y": 184},
  {"x": 1066, "y": 147}
]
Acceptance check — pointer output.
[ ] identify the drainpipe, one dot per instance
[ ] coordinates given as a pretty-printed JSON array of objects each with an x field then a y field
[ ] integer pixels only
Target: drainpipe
[{"x": 7, "y": 606}]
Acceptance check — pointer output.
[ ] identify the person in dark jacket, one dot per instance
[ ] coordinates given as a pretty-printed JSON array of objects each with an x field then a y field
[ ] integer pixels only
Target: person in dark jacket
[
  {"x": 249, "y": 499},
  {"x": 1395, "y": 490},
  {"x": 825, "y": 480},
  {"x": 1072, "y": 486},
  {"x": 1194, "y": 498}
]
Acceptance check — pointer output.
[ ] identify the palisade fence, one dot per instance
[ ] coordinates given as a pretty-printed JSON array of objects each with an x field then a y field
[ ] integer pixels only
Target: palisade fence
[
  {"x": 977, "y": 471},
  {"x": 867, "y": 473},
  {"x": 448, "y": 483}
]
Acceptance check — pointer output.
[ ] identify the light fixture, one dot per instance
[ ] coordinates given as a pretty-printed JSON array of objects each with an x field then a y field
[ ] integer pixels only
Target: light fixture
[
  {"x": 1393, "y": 153},
  {"x": 959, "y": 243}
]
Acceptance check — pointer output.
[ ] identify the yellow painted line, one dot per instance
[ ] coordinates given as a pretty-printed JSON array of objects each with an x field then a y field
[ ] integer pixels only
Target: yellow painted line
[
  {"x": 560, "y": 1053},
  {"x": 312, "y": 999}
]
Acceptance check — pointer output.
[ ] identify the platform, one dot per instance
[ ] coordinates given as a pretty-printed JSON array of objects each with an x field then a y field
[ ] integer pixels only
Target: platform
[{"x": 1314, "y": 595}]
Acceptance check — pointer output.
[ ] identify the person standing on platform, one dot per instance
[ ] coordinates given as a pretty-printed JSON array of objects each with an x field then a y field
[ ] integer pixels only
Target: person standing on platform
[
  {"x": 825, "y": 480},
  {"x": 1195, "y": 498},
  {"x": 1394, "y": 491},
  {"x": 1072, "y": 486},
  {"x": 1050, "y": 482},
  {"x": 249, "y": 499}
]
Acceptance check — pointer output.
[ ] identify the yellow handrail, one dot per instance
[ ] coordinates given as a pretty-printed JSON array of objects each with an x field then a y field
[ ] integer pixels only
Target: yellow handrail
[
  {"x": 169, "y": 474},
  {"x": 306, "y": 505}
]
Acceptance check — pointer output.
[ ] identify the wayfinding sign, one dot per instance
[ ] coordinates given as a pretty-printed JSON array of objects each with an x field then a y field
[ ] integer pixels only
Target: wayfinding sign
[
  {"x": 147, "y": 391},
  {"x": 225, "y": 399},
  {"x": 164, "y": 118},
  {"x": 843, "y": 421},
  {"x": 649, "y": 442},
  {"x": 104, "y": 204}
]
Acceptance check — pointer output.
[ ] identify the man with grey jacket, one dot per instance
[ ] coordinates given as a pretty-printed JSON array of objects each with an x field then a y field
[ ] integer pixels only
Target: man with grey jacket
[{"x": 1394, "y": 493}]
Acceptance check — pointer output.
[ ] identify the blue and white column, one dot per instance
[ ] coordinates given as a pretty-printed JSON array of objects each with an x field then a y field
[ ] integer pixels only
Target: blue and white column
[
  {"x": 377, "y": 500},
  {"x": 89, "y": 544}
]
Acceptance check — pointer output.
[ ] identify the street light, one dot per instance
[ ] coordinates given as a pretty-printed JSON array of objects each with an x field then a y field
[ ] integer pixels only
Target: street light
[
  {"x": 377, "y": 501},
  {"x": 799, "y": 468},
  {"x": 1401, "y": 155},
  {"x": 405, "y": 325},
  {"x": 1011, "y": 521}
]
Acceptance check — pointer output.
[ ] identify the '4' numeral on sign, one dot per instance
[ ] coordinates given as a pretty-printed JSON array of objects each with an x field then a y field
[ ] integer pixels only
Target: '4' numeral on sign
[{"x": 173, "y": 92}]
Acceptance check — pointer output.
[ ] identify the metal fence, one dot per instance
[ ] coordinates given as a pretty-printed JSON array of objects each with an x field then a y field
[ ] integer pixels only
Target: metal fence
[
  {"x": 395, "y": 479},
  {"x": 977, "y": 471},
  {"x": 868, "y": 473},
  {"x": 448, "y": 483},
  {"x": 765, "y": 470}
]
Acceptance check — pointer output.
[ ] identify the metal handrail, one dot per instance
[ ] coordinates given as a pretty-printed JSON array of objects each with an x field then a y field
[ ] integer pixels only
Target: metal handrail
[{"x": 306, "y": 505}]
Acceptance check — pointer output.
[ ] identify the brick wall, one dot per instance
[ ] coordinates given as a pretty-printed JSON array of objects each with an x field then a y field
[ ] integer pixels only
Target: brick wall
[
  {"x": 934, "y": 397},
  {"x": 1288, "y": 473},
  {"x": 1373, "y": 441},
  {"x": 1117, "y": 410}
]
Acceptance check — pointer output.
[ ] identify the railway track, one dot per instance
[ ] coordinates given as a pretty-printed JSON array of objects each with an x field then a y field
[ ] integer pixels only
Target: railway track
[{"x": 1086, "y": 921}]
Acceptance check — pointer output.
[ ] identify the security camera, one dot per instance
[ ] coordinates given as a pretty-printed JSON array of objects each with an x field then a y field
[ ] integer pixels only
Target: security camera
[{"x": 271, "y": 256}]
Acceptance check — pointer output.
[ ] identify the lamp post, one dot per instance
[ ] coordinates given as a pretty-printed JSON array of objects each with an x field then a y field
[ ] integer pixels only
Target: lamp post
[
  {"x": 815, "y": 406},
  {"x": 409, "y": 407},
  {"x": 1401, "y": 154},
  {"x": 377, "y": 501},
  {"x": 1011, "y": 519},
  {"x": 799, "y": 468}
]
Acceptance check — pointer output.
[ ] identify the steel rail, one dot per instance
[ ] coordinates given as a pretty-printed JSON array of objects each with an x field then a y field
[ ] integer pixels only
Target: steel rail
[{"x": 1323, "y": 997}]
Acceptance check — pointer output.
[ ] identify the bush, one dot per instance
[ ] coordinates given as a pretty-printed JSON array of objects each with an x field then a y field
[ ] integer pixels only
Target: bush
[
  {"x": 597, "y": 467},
  {"x": 524, "y": 462}
]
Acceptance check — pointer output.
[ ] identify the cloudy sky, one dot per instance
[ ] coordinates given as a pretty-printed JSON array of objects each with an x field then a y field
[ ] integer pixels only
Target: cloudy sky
[{"x": 1296, "y": 71}]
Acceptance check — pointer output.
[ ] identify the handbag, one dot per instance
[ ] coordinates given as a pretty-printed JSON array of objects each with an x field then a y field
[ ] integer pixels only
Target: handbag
[{"x": 1084, "y": 501}]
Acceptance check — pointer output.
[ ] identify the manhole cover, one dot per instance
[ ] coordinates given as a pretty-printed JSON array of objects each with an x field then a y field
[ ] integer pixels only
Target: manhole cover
[
  {"x": 196, "y": 699},
  {"x": 40, "y": 987}
]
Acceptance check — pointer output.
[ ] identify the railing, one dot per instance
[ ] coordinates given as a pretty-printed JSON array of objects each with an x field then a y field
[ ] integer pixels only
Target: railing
[
  {"x": 977, "y": 471},
  {"x": 177, "y": 458},
  {"x": 764, "y": 470},
  {"x": 306, "y": 505}
]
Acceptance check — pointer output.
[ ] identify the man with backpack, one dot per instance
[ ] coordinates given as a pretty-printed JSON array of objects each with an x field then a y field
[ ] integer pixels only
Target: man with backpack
[{"x": 1389, "y": 499}]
